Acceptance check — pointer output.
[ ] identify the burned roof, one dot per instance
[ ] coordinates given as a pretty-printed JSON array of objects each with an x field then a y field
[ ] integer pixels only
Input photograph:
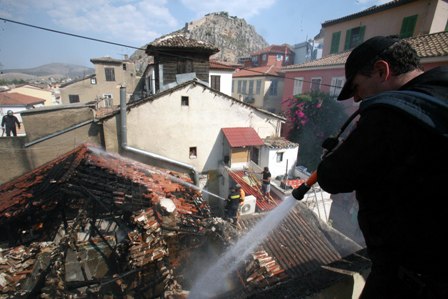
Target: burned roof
[{"x": 93, "y": 222}]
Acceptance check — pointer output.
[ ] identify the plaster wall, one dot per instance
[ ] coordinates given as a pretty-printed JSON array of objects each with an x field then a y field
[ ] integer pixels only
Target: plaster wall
[
  {"x": 167, "y": 128},
  {"x": 432, "y": 17},
  {"x": 226, "y": 81}
]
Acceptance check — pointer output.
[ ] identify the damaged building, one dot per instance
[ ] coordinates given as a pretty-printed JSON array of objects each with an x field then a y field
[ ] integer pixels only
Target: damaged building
[{"x": 91, "y": 224}]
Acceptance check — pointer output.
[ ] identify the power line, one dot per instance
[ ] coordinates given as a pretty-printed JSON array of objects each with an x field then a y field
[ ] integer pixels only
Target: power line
[
  {"x": 139, "y": 48},
  {"x": 70, "y": 34}
]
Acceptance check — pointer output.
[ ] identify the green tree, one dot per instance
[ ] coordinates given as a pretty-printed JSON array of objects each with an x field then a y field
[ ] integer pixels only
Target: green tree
[{"x": 314, "y": 117}]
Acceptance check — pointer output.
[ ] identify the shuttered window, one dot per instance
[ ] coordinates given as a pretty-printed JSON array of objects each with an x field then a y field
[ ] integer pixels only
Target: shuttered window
[
  {"x": 408, "y": 26},
  {"x": 354, "y": 37},
  {"x": 335, "y": 39},
  {"x": 215, "y": 82}
]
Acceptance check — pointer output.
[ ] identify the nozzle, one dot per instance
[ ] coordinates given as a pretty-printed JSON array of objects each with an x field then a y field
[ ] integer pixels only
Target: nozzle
[{"x": 300, "y": 191}]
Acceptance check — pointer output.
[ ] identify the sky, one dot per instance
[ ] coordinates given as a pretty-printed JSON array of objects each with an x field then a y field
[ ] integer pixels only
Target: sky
[{"x": 130, "y": 24}]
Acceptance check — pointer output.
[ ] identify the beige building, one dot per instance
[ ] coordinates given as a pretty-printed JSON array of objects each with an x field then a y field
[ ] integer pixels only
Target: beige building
[
  {"x": 33, "y": 91},
  {"x": 102, "y": 88},
  {"x": 403, "y": 17}
]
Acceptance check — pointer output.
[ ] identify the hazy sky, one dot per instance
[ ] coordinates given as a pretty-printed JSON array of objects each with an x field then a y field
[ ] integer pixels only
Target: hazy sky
[{"x": 135, "y": 23}]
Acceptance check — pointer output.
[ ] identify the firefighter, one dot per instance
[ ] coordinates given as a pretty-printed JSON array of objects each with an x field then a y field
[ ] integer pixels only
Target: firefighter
[{"x": 233, "y": 203}]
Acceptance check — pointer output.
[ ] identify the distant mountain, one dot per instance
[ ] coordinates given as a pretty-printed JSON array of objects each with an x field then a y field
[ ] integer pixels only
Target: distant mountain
[
  {"x": 55, "y": 70},
  {"x": 233, "y": 36}
]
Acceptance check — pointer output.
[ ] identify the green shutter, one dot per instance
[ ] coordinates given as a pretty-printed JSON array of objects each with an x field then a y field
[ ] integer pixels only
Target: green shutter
[
  {"x": 362, "y": 30},
  {"x": 408, "y": 26},
  {"x": 347, "y": 39},
  {"x": 335, "y": 39}
]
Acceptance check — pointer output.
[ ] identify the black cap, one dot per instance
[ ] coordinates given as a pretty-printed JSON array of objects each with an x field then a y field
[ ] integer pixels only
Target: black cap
[{"x": 360, "y": 57}]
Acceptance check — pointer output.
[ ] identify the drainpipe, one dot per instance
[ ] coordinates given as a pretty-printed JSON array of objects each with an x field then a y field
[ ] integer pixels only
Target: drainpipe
[{"x": 124, "y": 141}]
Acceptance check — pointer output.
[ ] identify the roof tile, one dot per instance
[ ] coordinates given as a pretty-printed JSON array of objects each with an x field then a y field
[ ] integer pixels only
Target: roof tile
[{"x": 239, "y": 137}]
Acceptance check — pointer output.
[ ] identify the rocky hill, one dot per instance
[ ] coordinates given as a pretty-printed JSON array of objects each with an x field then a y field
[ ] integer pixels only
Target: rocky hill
[
  {"x": 53, "y": 70},
  {"x": 233, "y": 36}
]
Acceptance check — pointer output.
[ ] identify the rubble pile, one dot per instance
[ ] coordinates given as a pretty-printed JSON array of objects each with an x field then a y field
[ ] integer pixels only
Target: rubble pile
[
  {"x": 263, "y": 271},
  {"x": 117, "y": 228},
  {"x": 21, "y": 266}
]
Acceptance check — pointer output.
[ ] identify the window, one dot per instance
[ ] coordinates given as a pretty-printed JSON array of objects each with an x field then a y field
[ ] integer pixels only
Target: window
[
  {"x": 239, "y": 86},
  {"x": 251, "y": 87},
  {"x": 279, "y": 57},
  {"x": 315, "y": 84},
  {"x": 258, "y": 87},
  {"x": 243, "y": 89},
  {"x": 298, "y": 85},
  {"x": 73, "y": 98},
  {"x": 184, "y": 101},
  {"x": 108, "y": 101},
  {"x": 92, "y": 80},
  {"x": 279, "y": 156},
  {"x": 408, "y": 26},
  {"x": 193, "y": 152},
  {"x": 354, "y": 37},
  {"x": 335, "y": 39},
  {"x": 184, "y": 66},
  {"x": 124, "y": 66},
  {"x": 273, "y": 88},
  {"x": 336, "y": 87},
  {"x": 263, "y": 57},
  {"x": 215, "y": 82},
  {"x": 110, "y": 73}
]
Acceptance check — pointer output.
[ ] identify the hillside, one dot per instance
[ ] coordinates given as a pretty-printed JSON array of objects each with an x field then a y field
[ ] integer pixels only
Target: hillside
[
  {"x": 233, "y": 36},
  {"x": 55, "y": 70}
]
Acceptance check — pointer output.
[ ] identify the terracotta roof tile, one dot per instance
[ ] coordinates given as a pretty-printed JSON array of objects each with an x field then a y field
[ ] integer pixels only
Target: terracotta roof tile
[
  {"x": 238, "y": 137},
  {"x": 220, "y": 65},
  {"x": 17, "y": 99},
  {"x": 267, "y": 70}
]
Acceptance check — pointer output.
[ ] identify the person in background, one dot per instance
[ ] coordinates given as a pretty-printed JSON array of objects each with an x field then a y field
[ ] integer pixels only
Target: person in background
[
  {"x": 242, "y": 193},
  {"x": 266, "y": 182},
  {"x": 396, "y": 161},
  {"x": 242, "y": 197},
  {"x": 9, "y": 122}
]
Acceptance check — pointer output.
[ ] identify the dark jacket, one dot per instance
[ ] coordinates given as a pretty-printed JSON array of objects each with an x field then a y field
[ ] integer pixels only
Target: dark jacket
[
  {"x": 9, "y": 121},
  {"x": 398, "y": 167}
]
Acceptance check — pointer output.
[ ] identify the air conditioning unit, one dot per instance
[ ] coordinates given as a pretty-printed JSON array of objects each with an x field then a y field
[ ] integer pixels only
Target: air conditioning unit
[{"x": 248, "y": 206}]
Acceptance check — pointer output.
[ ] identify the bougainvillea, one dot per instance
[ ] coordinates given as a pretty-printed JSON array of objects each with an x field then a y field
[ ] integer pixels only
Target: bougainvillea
[{"x": 313, "y": 118}]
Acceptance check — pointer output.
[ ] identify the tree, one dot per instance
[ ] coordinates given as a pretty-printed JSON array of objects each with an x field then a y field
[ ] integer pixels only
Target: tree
[{"x": 314, "y": 117}]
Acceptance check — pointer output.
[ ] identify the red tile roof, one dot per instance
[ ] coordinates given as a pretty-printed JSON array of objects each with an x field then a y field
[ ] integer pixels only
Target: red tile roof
[
  {"x": 267, "y": 70},
  {"x": 252, "y": 186},
  {"x": 17, "y": 99},
  {"x": 238, "y": 137},
  {"x": 220, "y": 65}
]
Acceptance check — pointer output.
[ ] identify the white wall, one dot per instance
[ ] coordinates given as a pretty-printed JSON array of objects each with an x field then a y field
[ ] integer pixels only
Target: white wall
[
  {"x": 164, "y": 127},
  {"x": 226, "y": 80},
  {"x": 279, "y": 168}
]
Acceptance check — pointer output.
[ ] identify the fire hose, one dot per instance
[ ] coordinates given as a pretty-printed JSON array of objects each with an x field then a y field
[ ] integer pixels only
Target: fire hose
[{"x": 300, "y": 191}]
